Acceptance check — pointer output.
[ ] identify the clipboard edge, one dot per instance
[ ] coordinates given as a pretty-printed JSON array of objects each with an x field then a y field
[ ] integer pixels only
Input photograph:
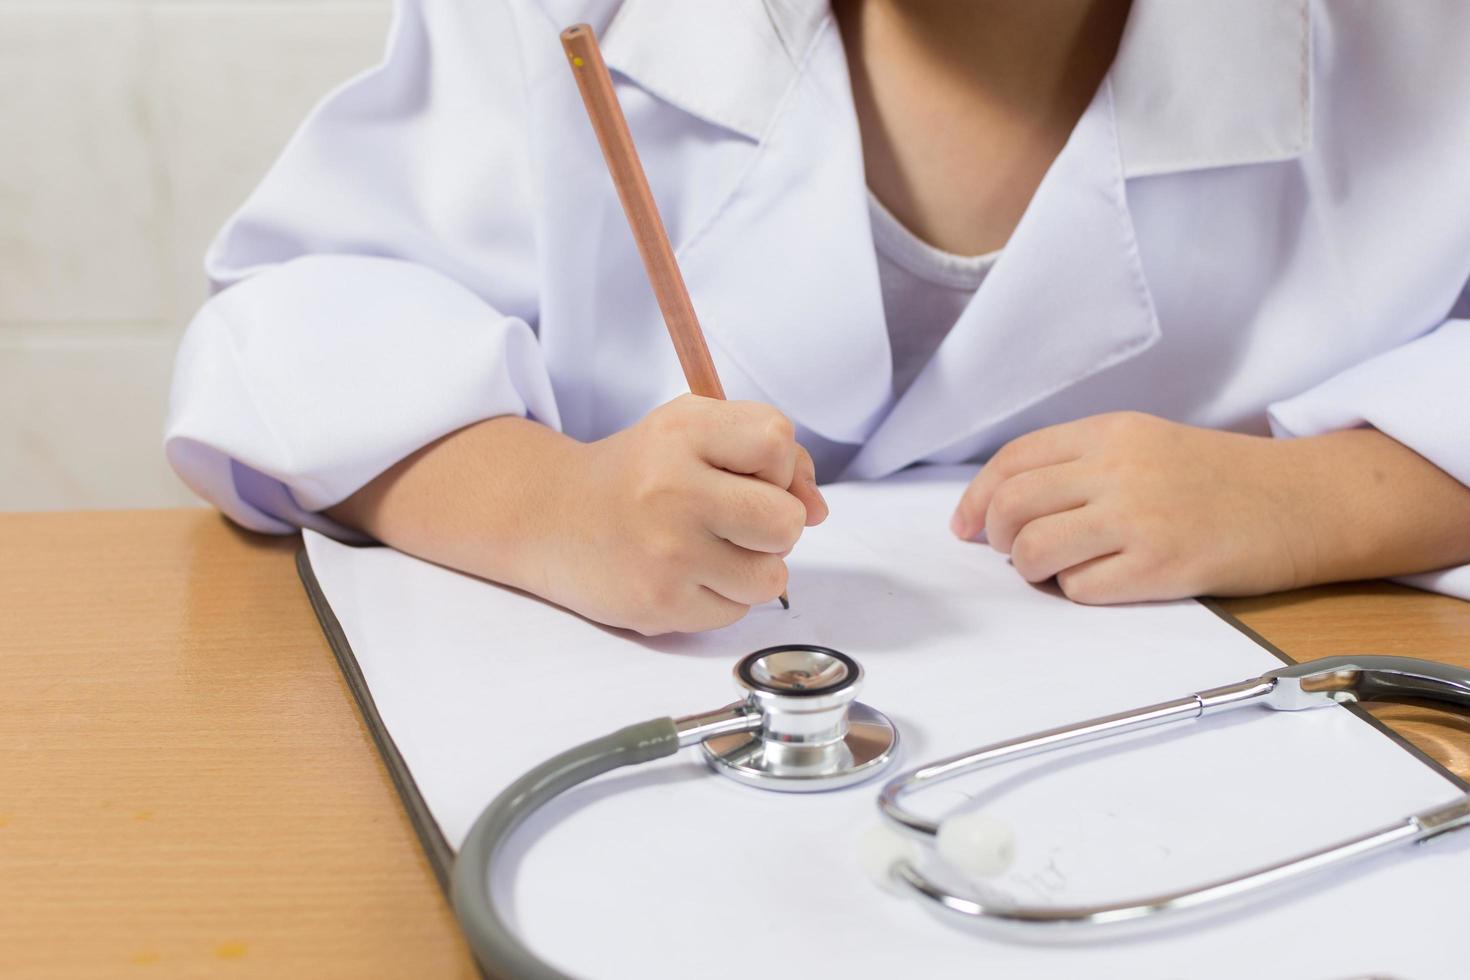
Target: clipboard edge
[
  {"x": 1214, "y": 606},
  {"x": 426, "y": 828}
]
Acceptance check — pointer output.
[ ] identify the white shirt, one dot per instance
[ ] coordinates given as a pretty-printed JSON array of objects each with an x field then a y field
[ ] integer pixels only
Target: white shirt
[
  {"x": 1260, "y": 223},
  {"x": 925, "y": 289}
]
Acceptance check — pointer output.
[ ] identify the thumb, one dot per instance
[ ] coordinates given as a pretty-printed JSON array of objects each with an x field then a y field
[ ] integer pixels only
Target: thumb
[{"x": 804, "y": 488}]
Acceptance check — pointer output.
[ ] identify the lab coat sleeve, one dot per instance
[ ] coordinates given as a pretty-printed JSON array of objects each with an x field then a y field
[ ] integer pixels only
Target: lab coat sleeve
[
  {"x": 1419, "y": 394},
  {"x": 377, "y": 290}
]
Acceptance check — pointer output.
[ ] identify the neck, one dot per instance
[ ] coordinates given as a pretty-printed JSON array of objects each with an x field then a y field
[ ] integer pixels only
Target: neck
[
  {"x": 963, "y": 104},
  {"x": 1042, "y": 57}
]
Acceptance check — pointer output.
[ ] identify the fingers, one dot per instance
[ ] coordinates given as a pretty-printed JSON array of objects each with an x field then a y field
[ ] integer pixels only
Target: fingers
[
  {"x": 746, "y": 577},
  {"x": 1044, "y": 447},
  {"x": 1031, "y": 495},
  {"x": 1057, "y": 542},
  {"x": 752, "y": 514},
  {"x": 732, "y": 580},
  {"x": 747, "y": 437},
  {"x": 1111, "y": 579},
  {"x": 804, "y": 488},
  {"x": 706, "y": 610}
]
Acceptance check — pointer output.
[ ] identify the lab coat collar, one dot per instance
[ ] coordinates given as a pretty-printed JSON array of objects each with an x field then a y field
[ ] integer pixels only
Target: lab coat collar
[
  {"x": 1212, "y": 83},
  {"x": 729, "y": 62},
  {"x": 1197, "y": 84}
]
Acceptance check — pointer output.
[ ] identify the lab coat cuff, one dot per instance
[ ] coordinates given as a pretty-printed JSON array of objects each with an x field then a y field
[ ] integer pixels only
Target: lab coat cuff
[
  {"x": 321, "y": 373},
  {"x": 1414, "y": 394}
]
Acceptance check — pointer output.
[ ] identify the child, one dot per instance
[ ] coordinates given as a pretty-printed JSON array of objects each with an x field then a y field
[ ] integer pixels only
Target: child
[{"x": 1075, "y": 239}]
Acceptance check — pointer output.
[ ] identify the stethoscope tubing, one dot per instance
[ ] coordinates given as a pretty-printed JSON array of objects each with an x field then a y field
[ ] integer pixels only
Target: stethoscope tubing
[
  {"x": 499, "y": 951},
  {"x": 1296, "y": 687}
]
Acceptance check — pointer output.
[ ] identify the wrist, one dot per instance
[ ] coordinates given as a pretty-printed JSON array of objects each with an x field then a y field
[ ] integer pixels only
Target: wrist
[
  {"x": 549, "y": 535},
  {"x": 1307, "y": 530},
  {"x": 488, "y": 499},
  {"x": 1374, "y": 508}
]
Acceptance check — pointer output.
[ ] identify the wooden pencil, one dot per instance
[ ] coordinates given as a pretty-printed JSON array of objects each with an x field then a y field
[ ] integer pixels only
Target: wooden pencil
[
  {"x": 608, "y": 122},
  {"x": 593, "y": 81}
]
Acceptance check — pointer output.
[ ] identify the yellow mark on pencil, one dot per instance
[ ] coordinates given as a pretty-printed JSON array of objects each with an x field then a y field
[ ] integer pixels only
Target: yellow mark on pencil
[
  {"x": 146, "y": 957},
  {"x": 577, "y": 62},
  {"x": 230, "y": 951}
]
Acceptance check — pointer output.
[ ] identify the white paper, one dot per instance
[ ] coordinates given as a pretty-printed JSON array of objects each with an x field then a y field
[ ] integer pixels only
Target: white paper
[{"x": 672, "y": 871}]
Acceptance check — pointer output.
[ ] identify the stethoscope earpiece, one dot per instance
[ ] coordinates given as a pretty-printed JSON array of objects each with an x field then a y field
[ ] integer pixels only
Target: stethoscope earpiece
[{"x": 977, "y": 843}]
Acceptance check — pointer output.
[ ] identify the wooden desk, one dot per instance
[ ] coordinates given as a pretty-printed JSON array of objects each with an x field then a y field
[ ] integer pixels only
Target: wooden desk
[{"x": 186, "y": 787}]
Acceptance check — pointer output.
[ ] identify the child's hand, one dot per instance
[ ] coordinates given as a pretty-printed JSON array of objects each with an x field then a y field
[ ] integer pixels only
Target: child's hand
[
  {"x": 681, "y": 522},
  {"x": 1128, "y": 507}
]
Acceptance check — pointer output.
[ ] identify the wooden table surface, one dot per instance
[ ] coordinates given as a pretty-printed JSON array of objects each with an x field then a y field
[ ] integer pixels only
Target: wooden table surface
[{"x": 187, "y": 789}]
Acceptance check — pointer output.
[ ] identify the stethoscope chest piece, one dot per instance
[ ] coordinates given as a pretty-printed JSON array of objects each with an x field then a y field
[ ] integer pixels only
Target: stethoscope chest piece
[{"x": 814, "y": 734}]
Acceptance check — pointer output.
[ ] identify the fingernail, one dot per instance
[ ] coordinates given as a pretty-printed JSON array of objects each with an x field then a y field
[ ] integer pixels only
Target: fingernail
[{"x": 960, "y": 526}]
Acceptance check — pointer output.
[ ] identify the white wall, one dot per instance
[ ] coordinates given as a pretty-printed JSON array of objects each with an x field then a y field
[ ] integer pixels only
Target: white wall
[{"x": 129, "y": 130}]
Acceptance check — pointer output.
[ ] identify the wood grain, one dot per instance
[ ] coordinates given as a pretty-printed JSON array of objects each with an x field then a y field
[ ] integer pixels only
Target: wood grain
[
  {"x": 1376, "y": 617},
  {"x": 186, "y": 788}
]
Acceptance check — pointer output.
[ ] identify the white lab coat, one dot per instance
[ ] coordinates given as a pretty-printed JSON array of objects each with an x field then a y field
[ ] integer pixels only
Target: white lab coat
[{"x": 1261, "y": 223}]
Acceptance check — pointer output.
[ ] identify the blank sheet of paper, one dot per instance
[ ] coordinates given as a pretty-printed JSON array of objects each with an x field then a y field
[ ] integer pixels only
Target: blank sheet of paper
[{"x": 672, "y": 871}]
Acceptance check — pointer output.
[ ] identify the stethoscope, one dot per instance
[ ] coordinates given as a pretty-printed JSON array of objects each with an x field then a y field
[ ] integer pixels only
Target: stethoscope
[{"x": 799, "y": 728}]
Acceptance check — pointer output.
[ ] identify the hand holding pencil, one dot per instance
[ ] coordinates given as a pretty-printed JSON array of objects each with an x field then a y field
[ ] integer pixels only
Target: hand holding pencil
[
  {"x": 767, "y": 449},
  {"x": 682, "y": 521}
]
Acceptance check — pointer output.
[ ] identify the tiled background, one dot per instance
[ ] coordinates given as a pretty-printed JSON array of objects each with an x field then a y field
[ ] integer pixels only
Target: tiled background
[{"x": 129, "y": 130}]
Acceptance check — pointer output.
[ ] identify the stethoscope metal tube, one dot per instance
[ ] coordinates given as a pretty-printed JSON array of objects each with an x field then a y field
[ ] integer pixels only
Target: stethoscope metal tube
[{"x": 1330, "y": 681}]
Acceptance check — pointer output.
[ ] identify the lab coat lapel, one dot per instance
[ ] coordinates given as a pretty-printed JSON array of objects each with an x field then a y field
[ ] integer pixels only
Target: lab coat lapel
[
  {"x": 784, "y": 278},
  {"x": 1066, "y": 299}
]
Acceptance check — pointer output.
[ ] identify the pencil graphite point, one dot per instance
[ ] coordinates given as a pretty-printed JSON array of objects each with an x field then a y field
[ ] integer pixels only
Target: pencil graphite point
[{"x": 785, "y": 601}]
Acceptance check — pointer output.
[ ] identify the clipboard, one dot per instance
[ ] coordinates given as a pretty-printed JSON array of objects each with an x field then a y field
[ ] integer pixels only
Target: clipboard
[
  {"x": 376, "y": 572},
  {"x": 437, "y": 849}
]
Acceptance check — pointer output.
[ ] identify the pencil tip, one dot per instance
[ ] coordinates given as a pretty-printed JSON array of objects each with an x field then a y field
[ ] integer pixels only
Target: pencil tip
[{"x": 785, "y": 601}]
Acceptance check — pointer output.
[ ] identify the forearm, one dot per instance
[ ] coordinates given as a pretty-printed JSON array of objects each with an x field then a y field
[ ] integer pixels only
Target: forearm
[
  {"x": 1373, "y": 507},
  {"x": 679, "y": 522},
  {"x": 484, "y": 499}
]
